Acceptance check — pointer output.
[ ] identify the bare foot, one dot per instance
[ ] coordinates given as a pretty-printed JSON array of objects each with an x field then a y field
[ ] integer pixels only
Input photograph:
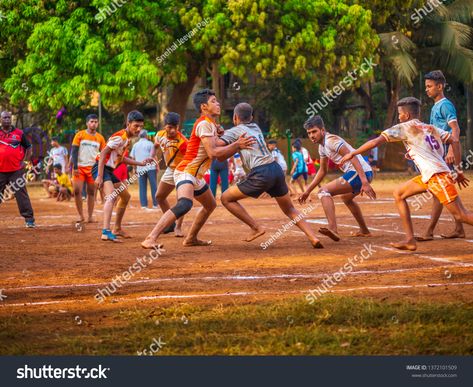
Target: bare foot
[
  {"x": 254, "y": 234},
  {"x": 81, "y": 220},
  {"x": 361, "y": 234},
  {"x": 453, "y": 235},
  {"x": 317, "y": 244},
  {"x": 120, "y": 233},
  {"x": 331, "y": 234},
  {"x": 91, "y": 220},
  {"x": 424, "y": 238},
  {"x": 150, "y": 244},
  {"x": 178, "y": 233},
  {"x": 411, "y": 246},
  {"x": 196, "y": 242}
]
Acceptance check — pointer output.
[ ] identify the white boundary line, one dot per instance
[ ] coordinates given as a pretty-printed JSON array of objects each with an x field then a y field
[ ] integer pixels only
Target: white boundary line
[
  {"x": 231, "y": 294},
  {"x": 226, "y": 277}
]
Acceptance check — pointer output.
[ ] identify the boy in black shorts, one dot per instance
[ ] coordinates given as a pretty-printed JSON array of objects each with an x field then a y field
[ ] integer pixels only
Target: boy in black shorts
[{"x": 265, "y": 175}]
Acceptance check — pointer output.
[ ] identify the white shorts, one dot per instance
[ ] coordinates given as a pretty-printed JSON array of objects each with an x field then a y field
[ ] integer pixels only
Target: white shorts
[
  {"x": 168, "y": 176},
  {"x": 181, "y": 177}
]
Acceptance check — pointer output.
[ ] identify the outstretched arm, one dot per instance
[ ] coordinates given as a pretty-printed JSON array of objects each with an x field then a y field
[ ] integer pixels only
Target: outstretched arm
[
  {"x": 321, "y": 173},
  {"x": 365, "y": 147},
  {"x": 217, "y": 148}
]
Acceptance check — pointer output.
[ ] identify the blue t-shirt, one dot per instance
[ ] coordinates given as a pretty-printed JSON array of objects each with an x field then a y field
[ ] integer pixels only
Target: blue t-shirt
[
  {"x": 301, "y": 165},
  {"x": 442, "y": 113}
]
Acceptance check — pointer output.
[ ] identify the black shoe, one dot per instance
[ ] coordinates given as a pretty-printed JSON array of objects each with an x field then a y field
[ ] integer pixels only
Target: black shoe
[{"x": 169, "y": 229}]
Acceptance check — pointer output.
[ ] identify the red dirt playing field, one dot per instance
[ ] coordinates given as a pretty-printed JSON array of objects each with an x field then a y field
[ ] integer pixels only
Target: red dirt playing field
[{"x": 57, "y": 266}]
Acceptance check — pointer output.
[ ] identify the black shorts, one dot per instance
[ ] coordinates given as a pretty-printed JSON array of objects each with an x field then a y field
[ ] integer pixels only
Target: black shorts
[
  {"x": 108, "y": 174},
  {"x": 267, "y": 178}
]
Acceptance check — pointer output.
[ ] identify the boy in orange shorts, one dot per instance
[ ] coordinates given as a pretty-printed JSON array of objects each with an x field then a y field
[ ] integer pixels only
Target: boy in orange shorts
[
  {"x": 87, "y": 144},
  {"x": 424, "y": 146}
]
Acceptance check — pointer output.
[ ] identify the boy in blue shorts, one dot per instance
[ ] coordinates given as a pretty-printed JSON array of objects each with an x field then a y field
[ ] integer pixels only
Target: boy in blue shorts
[
  {"x": 299, "y": 168},
  {"x": 355, "y": 180}
]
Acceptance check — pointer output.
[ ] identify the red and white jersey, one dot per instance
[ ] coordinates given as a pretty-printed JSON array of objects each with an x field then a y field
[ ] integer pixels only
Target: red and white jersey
[
  {"x": 196, "y": 161},
  {"x": 424, "y": 146},
  {"x": 118, "y": 143}
]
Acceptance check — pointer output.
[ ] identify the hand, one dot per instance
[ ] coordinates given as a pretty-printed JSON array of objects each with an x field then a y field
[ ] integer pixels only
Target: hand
[
  {"x": 75, "y": 172},
  {"x": 99, "y": 182},
  {"x": 450, "y": 158},
  {"x": 245, "y": 142},
  {"x": 148, "y": 161},
  {"x": 462, "y": 181},
  {"x": 368, "y": 190},
  {"x": 347, "y": 157},
  {"x": 303, "y": 197},
  {"x": 220, "y": 130}
]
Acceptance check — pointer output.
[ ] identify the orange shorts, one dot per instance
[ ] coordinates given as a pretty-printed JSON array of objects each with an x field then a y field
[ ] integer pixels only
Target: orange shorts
[
  {"x": 441, "y": 185},
  {"x": 84, "y": 174}
]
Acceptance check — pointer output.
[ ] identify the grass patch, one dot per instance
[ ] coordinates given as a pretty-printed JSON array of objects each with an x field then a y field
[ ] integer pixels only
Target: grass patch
[{"x": 334, "y": 325}]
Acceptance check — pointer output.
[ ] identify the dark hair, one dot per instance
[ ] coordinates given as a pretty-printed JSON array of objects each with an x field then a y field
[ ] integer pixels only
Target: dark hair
[
  {"x": 55, "y": 138},
  {"x": 135, "y": 115},
  {"x": 272, "y": 142},
  {"x": 91, "y": 117},
  {"x": 244, "y": 111},
  {"x": 315, "y": 121},
  {"x": 58, "y": 166},
  {"x": 172, "y": 119},
  {"x": 436, "y": 76},
  {"x": 201, "y": 97},
  {"x": 297, "y": 145},
  {"x": 411, "y": 104}
]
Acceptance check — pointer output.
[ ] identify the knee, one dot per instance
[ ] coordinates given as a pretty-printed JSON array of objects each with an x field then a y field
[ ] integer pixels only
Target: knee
[
  {"x": 323, "y": 193},
  {"x": 124, "y": 199},
  {"x": 182, "y": 207},
  {"x": 212, "y": 206},
  {"x": 398, "y": 196},
  {"x": 224, "y": 199}
]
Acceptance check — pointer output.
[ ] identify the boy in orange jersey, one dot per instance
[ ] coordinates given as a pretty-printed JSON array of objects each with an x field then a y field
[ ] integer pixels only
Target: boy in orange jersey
[
  {"x": 424, "y": 145},
  {"x": 188, "y": 176},
  {"x": 173, "y": 145},
  {"x": 112, "y": 155},
  {"x": 86, "y": 145}
]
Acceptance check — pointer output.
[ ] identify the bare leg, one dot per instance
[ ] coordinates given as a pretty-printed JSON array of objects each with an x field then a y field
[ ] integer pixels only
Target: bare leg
[
  {"x": 335, "y": 187},
  {"x": 168, "y": 218},
  {"x": 78, "y": 185},
  {"x": 108, "y": 206},
  {"x": 208, "y": 206},
  {"x": 164, "y": 189},
  {"x": 124, "y": 198},
  {"x": 459, "y": 212},
  {"x": 230, "y": 201},
  {"x": 90, "y": 201},
  {"x": 286, "y": 206},
  {"x": 355, "y": 210},
  {"x": 403, "y": 192}
]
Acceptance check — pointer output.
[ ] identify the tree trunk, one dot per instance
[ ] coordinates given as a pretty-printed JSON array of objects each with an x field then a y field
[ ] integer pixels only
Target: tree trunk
[
  {"x": 469, "y": 115},
  {"x": 367, "y": 102},
  {"x": 392, "y": 104},
  {"x": 181, "y": 91}
]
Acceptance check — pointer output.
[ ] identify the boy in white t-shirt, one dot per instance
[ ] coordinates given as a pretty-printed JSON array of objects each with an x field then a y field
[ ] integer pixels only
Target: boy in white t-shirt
[
  {"x": 424, "y": 145},
  {"x": 355, "y": 180}
]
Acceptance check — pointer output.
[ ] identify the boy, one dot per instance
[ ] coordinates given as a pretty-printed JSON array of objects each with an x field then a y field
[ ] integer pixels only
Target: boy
[
  {"x": 110, "y": 157},
  {"x": 299, "y": 168},
  {"x": 356, "y": 178},
  {"x": 188, "y": 176},
  {"x": 424, "y": 146},
  {"x": 173, "y": 145},
  {"x": 444, "y": 116},
  {"x": 278, "y": 156},
  {"x": 59, "y": 154},
  {"x": 86, "y": 145},
  {"x": 64, "y": 185},
  {"x": 265, "y": 176}
]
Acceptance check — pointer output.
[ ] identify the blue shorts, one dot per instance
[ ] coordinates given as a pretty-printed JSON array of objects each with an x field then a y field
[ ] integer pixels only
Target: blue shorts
[
  {"x": 108, "y": 174},
  {"x": 354, "y": 180},
  {"x": 267, "y": 178},
  {"x": 297, "y": 174}
]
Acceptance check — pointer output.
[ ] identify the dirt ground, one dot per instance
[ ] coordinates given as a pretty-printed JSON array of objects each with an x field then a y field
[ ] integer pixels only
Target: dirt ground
[{"x": 57, "y": 267}]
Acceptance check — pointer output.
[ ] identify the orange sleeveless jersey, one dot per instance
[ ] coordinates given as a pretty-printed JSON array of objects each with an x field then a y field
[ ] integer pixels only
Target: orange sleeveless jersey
[
  {"x": 196, "y": 160},
  {"x": 173, "y": 150}
]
